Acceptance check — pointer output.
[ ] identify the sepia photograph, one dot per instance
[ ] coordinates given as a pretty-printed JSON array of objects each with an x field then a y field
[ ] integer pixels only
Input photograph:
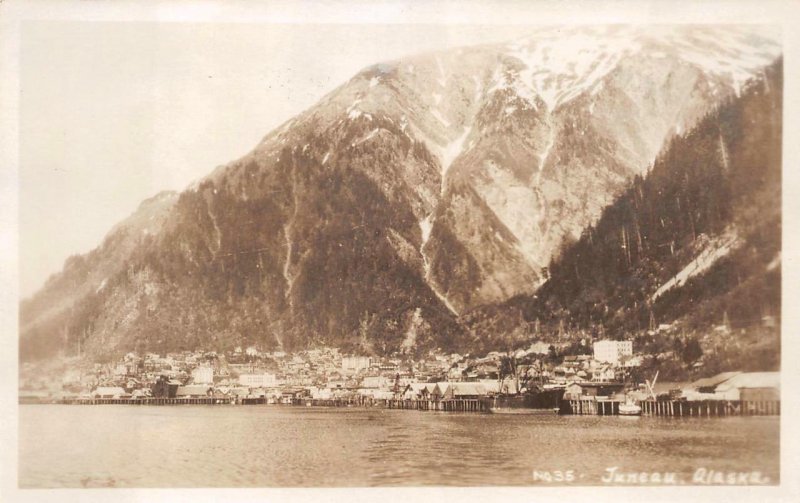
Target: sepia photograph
[{"x": 380, "y": 248}]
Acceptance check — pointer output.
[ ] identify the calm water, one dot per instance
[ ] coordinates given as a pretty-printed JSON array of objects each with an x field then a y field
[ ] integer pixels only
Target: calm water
[{"x": 247, "y": 446}]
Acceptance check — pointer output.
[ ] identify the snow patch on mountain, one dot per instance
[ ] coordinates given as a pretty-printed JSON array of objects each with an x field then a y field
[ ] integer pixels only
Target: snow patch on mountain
[
  {"x": 561, "y": 67},
  {"x": 551, "y": 140},
  {"x": 366, "y": 138},
  {"x": 425, "y": 227},
  {"x": 728, "y": 52},
  {"x": 450, "y": 152}
]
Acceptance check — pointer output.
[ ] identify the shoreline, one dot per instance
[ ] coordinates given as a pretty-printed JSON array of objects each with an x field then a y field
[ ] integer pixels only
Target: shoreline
[{"x": 650, "y": 408}]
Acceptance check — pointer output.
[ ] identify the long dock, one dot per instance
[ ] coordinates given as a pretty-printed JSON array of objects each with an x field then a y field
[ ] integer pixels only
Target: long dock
[
  {"x": 675, "y": 408},
  {"x": 453, "y": 405},
  {"x": 710, "y": 408},
  {"x": 592, "y": 407}
]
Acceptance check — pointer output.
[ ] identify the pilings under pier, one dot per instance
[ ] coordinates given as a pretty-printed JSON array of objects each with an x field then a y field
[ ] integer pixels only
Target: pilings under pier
[
  {"x": 675, "y": 408},
  {"x": 452, "y": 405},
  {"x": 710, "y": 408}
]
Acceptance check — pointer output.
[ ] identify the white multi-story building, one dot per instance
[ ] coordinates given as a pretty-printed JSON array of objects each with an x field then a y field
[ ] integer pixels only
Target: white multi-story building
[
  {"x": 612, "y": 351},
  {"x": 258, "y": 380},
  {"x": 203, "y": 375},
  {"x": 355, "y": 363}
]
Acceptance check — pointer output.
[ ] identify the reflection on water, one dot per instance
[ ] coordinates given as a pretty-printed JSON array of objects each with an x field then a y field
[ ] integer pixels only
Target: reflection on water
[{"x": 252, "y": 446}]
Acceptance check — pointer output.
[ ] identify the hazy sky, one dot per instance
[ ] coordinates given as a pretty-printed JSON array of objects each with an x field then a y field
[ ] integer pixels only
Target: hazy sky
[{"x": 113, "y": 112}]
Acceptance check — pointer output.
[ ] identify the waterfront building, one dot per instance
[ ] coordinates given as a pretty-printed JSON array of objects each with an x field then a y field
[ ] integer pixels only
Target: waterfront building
[
  {"x": 612, "y": 351},
  {"x": 750, "y": 386},
  {"x": 578, "y": 389},
  {"x": 418, "y": 391},
  {"x": 440, "y": 390},
  {"x": 704, "y": 389},
  {"x": 110, "y": 392},
  {"x": 573, "y": 391},
  {"x": 492, "y": 386},
  {"x": 463, "y": 391},
  {"x": 194, "y": 391}
]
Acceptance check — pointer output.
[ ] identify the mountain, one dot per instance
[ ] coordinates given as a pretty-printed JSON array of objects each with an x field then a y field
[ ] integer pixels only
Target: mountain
[
  {"x": 693, "y": 247},
  {"x": 417, "y": 191}
]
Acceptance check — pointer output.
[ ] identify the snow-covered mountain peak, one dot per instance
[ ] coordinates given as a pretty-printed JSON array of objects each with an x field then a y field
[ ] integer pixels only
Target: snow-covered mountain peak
[
  {"x": 560, "y": 63},
  {"x": 733, "y": 53}
]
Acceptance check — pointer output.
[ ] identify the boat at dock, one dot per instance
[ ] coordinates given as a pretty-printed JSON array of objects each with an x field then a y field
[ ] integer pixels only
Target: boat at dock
[{"x": 629, "y": 409}]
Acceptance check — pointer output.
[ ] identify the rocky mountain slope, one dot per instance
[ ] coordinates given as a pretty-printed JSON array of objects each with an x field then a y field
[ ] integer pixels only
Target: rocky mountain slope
[
  {"x": 416, "y": 191},
  {"x": 691, "y": 251}
]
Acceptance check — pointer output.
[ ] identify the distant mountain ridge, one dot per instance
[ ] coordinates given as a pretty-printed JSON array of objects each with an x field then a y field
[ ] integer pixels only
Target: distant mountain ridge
[{"x": 417, "y": 191}]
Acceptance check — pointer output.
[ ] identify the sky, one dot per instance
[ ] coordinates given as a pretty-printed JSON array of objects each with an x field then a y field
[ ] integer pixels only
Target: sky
[{"x": 112, "y": 113}]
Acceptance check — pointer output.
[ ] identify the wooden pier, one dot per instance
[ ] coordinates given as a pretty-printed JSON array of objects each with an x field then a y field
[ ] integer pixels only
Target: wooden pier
[
  {"x": 710, "y": 408},
  {"x": 455, "y": 405},
  {"x": 147, "y": 401},
  {"x": 675, "y": 408},
  {"x": 589, "y": 407}
]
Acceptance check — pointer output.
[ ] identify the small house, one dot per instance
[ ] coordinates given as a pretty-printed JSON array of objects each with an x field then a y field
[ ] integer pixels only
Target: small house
[
  {"x": 579, "y": 389},
  {"x": 463, "y": 391},
  {"x": 289, "y": 395},
  {"x": 573, "y": 391},
  {"x": 440, "y": 390},
  {"x": 418, "y": 391},
  {"x": 605, "y": 373}
]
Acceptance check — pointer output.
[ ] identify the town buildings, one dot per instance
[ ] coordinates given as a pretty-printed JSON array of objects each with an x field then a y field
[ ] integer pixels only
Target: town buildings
[
  {"x": 258, "y": 380},
  {"x": 353, "y": 364},
  {"x": 324, "y": 373},
  {"x": 612, "y": 351},
  {"x": 203, "y": 375}
]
